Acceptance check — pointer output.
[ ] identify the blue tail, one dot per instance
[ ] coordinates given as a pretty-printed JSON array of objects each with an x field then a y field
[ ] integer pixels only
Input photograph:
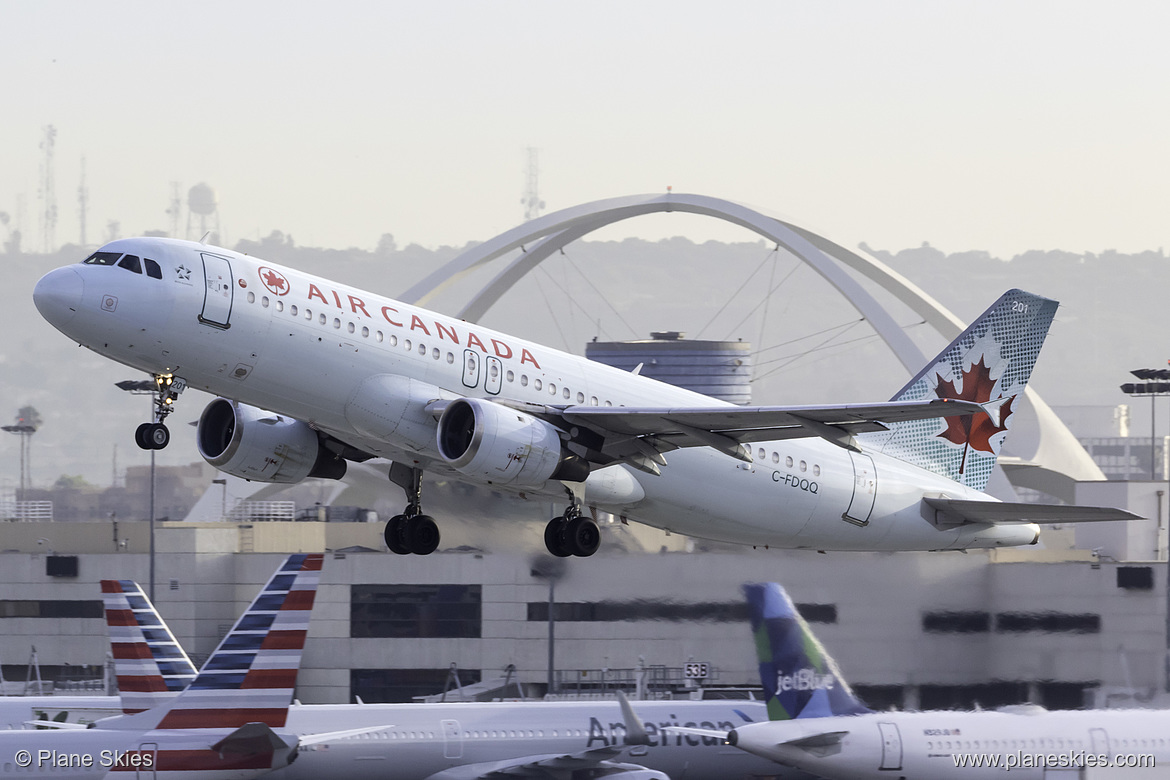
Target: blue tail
[
  {"x": 800, "y": 679},
  {"x": 990, "y": 361}
]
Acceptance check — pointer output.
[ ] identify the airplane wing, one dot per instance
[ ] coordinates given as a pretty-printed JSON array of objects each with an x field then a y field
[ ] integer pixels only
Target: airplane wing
[
  {"x": 959, "y": 511},
  {"x": 555, "y": 766},
  {"x": 639, "y": 436}
]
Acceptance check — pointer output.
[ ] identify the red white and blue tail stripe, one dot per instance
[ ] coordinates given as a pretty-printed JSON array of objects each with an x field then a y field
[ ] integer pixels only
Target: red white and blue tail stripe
[
  {"x": 150, "y": 665},
  {"x": 251, "y": 676}
]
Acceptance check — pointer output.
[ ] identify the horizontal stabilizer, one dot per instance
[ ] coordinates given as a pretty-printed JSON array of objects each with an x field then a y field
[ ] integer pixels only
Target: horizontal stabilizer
[
  {"x": 966, "y": 511},
  {"x": 696, "y": 732},
  {"x": 55, "y": 724},
  {"x": 249, "y": 740},
  {"x": 817, "y": 742}
]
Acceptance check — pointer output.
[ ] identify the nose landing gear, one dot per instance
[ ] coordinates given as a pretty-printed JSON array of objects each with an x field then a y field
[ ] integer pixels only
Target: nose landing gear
[{"x": 154, "y": 435}]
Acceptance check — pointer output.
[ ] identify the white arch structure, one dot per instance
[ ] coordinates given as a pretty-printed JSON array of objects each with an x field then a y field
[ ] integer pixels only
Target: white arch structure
[{"x": 1055, "y": 460}]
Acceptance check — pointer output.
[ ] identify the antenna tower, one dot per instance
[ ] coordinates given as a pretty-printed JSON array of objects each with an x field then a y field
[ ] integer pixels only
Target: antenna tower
[
  {"x": 83, "y": 202},
  {"x": 531, "y": 201},
  {"x": 175, "y": 210},
  {"x": 48, "y": 191}
]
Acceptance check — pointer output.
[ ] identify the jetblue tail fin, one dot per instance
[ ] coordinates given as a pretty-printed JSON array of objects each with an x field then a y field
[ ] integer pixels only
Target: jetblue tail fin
[
  {"x": 250, "y": 677},
  {"x": 800, "y": 679},
  {"x": 151, "y": 667},
  {"x": 989, "y": 363}
]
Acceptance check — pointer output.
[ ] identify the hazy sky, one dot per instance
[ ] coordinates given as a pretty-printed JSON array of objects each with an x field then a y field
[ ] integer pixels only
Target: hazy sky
[{"x": 990, "y": 125}]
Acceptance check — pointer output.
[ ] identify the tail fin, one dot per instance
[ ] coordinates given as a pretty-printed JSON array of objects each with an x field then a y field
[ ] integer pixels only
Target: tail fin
[
  {"x": 251, "y": 676},
  {"x": 151, "y": 667},
  {"x": 990, "y": 361},
  {"x": 800, "y": 679}
]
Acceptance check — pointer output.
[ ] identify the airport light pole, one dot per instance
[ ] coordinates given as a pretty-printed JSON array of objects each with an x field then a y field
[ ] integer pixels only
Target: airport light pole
[
  {"x": 550, "y": 569},
  {"x": 1155, "y": 384},
  {"x": 146, "y": 387}
]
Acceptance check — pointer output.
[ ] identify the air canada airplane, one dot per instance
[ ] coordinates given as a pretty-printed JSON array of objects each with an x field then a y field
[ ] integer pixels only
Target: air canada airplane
[
  {"x": 818, "y": 725},
  {"x": 228, "y": 724},
  {"x": 310, "y": 374}
]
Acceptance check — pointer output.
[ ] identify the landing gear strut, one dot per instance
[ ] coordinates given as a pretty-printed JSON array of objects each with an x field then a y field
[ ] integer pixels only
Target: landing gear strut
[
  {"x": 411, "y": 531},
  {"x": 154, "y": 435},
  {"x": 572, "y": 534}
]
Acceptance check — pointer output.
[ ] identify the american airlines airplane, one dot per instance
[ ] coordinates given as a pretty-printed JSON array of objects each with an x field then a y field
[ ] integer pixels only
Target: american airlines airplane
[
  {"x": 310, "y": 374},
  {"x": 228, "y": 724},
  {"x": 818, "y": 725},
  {"x": 450, "y": 740}
]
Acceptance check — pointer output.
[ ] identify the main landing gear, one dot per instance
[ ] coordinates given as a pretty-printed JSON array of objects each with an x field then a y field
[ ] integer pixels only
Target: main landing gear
[
  {"x": 411, "y": 531},
  {"x": 572, "y": 534},
  {"x": 154, "y": 435}
]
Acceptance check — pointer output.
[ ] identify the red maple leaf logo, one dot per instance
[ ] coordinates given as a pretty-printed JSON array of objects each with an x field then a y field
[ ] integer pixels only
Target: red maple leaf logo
[
  {"x": 973, "y": 430},
  {"x": 274, "y": 281}
]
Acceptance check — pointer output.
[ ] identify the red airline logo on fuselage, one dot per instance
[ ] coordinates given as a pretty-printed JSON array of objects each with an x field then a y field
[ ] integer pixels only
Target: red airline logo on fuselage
[{"x": 278, "y": 284}]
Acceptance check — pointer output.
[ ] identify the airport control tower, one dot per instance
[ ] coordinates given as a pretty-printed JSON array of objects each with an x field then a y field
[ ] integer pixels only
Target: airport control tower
[{"x": 720, "y": 369}]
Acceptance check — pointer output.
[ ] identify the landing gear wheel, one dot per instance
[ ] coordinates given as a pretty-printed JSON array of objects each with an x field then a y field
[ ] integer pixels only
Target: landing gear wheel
[
  {"x": 141, "y": 436},
  {"x": 582, "y": 536},
  {"x": 394, "y": 535},
  {"x": 554, "y": 537},
  {"x": 152, "y": 436},
  {"x": 422, "y": 535}
]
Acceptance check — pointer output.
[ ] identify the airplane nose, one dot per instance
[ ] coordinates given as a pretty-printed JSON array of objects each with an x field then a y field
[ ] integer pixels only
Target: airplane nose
[{"x": 58, "y": 295}]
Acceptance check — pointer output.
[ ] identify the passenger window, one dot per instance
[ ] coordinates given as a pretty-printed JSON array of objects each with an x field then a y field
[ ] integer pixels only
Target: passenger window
[
  {"x": 131, "y": 263},
  {"x": 536, "y": 384},
  {"x": 293, "y": 310},
  {"x": 251, "y": 297},
  {"x": 102, "y": 258},
  {"x": 152, "y": 269},
  {"x": 524, "y": 380}
]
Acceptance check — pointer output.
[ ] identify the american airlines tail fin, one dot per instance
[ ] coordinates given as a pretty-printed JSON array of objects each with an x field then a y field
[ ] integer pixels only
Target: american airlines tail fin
[
  {"x": 151, "y": 667},
  {"x": 988, "y": 364},
  {"x": 800, "y": 679},
  {"x": 250, "y": 677}
]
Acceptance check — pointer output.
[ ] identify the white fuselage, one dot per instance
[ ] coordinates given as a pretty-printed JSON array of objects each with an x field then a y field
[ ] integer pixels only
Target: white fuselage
[
  {"x": 422, "y": 739},
  {"x": 971, "y": 745},
  {"x": 322, "y": 352}
]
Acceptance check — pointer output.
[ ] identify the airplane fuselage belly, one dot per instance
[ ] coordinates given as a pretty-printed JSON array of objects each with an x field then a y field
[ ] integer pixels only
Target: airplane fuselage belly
[{"x": 305, "y": 348}]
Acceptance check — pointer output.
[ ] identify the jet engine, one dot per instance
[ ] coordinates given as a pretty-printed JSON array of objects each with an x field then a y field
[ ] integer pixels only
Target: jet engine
[
  {"x": 257, "y": 445},
  {"x": 487, "y": 441}
]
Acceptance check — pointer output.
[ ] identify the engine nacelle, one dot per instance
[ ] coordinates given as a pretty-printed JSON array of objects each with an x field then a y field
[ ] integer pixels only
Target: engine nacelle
[
  {"x": 487, "y": 441},
  {"x": 254, "y": 444}
]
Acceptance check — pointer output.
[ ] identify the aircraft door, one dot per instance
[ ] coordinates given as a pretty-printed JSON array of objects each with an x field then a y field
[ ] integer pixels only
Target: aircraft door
[
  {"x": 217, "y": 292},
  {"x": 452, "y": 739},
  {"x": 148, "y": 751},
  {"x": 864, "y": 489},
  {"x": 891, "y": 746},
  {"x": 1100, "y": 741},
  {"x": 495, "y": 375},
  {"x": 471, "y": 364}
]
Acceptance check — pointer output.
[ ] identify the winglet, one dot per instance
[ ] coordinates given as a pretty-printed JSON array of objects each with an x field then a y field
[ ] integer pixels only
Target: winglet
[{"x": 635, "y": 729}]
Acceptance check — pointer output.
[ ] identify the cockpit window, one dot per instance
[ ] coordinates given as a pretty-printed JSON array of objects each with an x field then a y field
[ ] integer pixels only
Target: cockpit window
[
  {"x": 102, "y": 258},
  {"x": 152, "y": 269},
  {"x": 131, "y": 263}
]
